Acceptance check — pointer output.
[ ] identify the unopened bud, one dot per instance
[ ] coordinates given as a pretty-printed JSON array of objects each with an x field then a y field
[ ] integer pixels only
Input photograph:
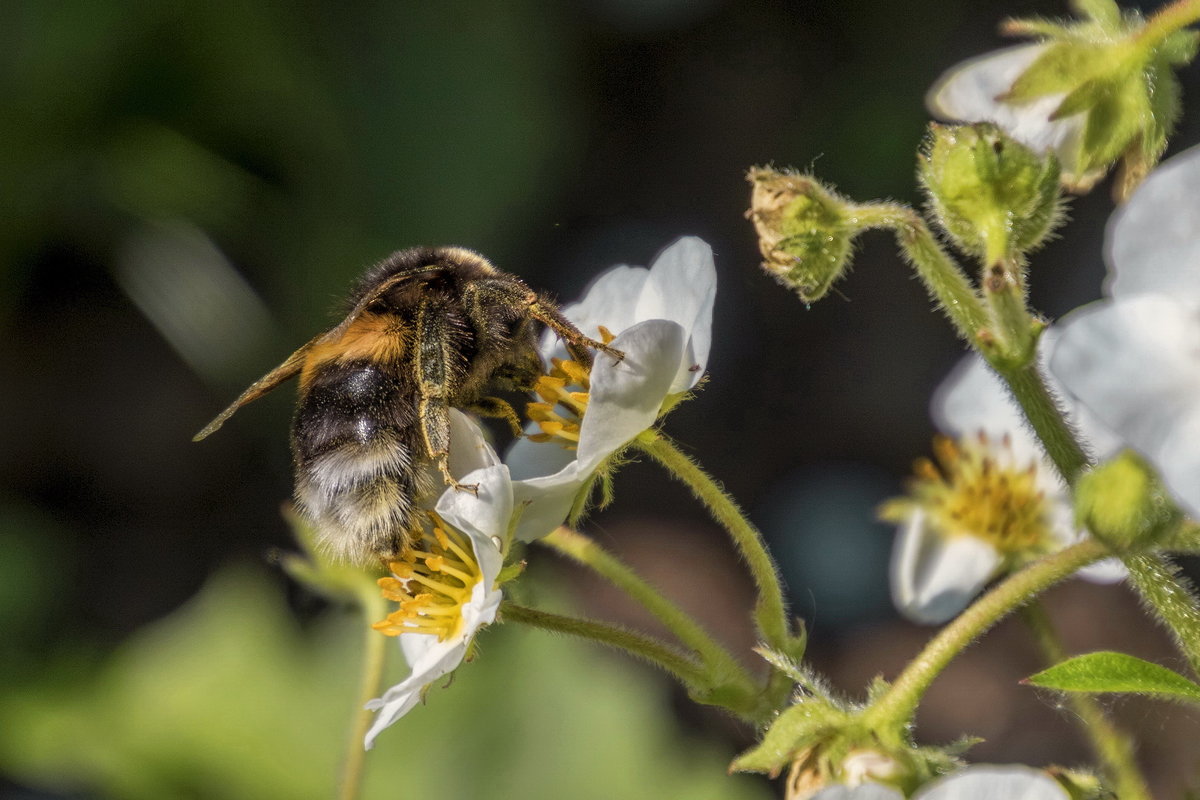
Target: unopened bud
[
  {"x": 1121, "y": 503},
  {"x": 803, "y": 231},
  {"x": 994, "y": 196}
]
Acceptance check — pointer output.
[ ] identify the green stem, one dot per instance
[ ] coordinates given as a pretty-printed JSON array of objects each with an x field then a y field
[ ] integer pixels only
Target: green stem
[
  {"x": 1169, "y": 19},
  {"x": 649, "y": 650},
  {"x": 1046, "y": 419},
  {"x": 943, "y": 278},
  {"x": 770, "y": 613},
  {"x": 1011, "y": 323},
  {"x": 374, "y": 658},
  {"x": 897, "y": 705},
  {"x": 720, "y": 664},
  {"x": 1113, "y": 746},
  {"x": 1172, "y": 599}
]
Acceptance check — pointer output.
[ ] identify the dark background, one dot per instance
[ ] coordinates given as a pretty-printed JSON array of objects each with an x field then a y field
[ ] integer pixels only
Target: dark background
[{"x": 303, "y": 141}]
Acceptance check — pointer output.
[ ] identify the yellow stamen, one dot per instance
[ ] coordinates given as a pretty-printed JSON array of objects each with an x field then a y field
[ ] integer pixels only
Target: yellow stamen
[
  {"x": 975, "y": 488},
  {"x": 563, "y": 405},
  {"x": 431, "y": 582}
]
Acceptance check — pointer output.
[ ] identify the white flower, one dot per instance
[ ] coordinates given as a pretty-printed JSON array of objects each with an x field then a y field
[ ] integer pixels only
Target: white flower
[
  {"x": 1134, "y": 360},
  {"x": 662, "y": 318},
  {"x": 980, "y": 782},
  {"x": 447, "y": 586},
  {"x": 992, "y": 502},
  {"x": 970, "y": 92}
]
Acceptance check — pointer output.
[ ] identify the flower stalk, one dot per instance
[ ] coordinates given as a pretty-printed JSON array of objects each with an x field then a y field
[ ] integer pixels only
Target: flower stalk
[
  {"x": 652, "y": 651},
  {"x": 372, "y": 605},
  {"x": 895, "y": 708},
  {"x": 1167, "y": 20},
  {"x": 1170, "y": 597},
  {"x": 945, "y": 281},
  {"x": 1045, "y": 417},
  {"x": 770, "y": 613},
  {"x": 1112, "y": 746},
  {"x": 719, "y": 664}
]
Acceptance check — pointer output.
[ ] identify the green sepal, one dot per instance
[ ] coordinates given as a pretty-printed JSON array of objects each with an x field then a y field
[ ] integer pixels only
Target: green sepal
[
  {"x": 1117, "y": 112},
  {"x": 805, "y": 230},
  {"x": 1109, "y": 671},
  {"x": 799, "y": 727},
  {"x": 996, "y": 198},
  {"x": 1105, "y": 13},
  {"x": 1179, "y": 49},
  {"x": 510, "y": 572},
  {"x": 1060, "y": 69}
]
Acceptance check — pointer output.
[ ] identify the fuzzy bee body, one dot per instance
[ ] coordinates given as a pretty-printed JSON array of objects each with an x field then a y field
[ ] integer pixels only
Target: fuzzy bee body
[{"x": 428, "y": 329}]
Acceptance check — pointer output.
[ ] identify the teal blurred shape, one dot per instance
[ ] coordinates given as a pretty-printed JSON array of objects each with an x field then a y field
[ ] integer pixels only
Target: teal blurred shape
[{"x": 820, "y": 523}]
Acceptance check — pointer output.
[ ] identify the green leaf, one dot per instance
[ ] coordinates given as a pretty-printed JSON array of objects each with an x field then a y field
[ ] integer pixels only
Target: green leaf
[
  {"x": 1116, "y": 672},
  {"x": 1105, "y": 13}
]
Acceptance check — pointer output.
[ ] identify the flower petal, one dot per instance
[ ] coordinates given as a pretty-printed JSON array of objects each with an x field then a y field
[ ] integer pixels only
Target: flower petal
[
  {"x": 544, "y": 503},
  {"x": 609, "y": 300},
  {"x": 1012, "y": 782},
  {"x": 935, "y": 575},
  {"x": 431, "y": 660},
  {"x": 967, "y": 93},
  {"x": 483, "y": 515},
  {"x": 1153, "y": 244},
  {"x": 1134, "y": 363},
  {"x": 627, "y": 395},
  {"x": 469, "y": 451},
  {"x": 682, "y": 287}
]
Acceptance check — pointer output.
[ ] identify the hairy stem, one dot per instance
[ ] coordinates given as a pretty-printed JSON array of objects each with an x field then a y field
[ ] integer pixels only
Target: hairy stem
[
  {"x": 1046, "y": 418},
  {"x": 1112, "y": 746},
  {"x": 1172, "y": 599},
  {"x": 770, "y": 613},
  {"x": 1169, "y": 19},
  {"x": 374, "y": 658},
  {"x": 646, "y": 648},
  {"x": 945, "y": 281},
  {"x": 719, "y": 663},
  {"x": 897, "y": 705}
]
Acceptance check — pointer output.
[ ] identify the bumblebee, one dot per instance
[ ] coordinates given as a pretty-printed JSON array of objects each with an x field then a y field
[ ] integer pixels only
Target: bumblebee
[{"x": 427, "y": 330}]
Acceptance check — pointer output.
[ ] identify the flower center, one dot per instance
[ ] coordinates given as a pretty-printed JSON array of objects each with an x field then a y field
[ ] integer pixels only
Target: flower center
[
  {"x": 432, "y": 580},
  {"x": 560, "y": 411},
  {"x": 976, "y": 488}
]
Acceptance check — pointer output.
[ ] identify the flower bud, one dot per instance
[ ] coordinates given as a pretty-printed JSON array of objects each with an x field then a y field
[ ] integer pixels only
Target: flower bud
[
  {"x": 994, "y": 196},
  {"x": 1121, "y": 503},
  {"x": 1096, "y": 90},
  {"x": 803, "y": 231}
]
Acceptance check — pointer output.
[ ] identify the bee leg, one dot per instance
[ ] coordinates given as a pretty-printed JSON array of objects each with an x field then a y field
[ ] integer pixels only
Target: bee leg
[
  {"x": 497, "y": 408},
  {"x": 575, "y": 340},
  {"x": 515, "y": 295},
  {"x": 434, "y": 364}
]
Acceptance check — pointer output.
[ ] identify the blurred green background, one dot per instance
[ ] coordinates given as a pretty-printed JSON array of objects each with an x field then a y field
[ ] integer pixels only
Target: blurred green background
[{"x": 187, "y": 190}]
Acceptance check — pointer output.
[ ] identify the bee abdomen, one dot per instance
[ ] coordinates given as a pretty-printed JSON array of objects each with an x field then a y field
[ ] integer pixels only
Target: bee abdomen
[{"x": 358, "y": 469}]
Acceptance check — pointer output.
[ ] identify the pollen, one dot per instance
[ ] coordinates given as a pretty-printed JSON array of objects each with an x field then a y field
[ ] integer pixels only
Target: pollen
[
  {"x": 431, "y": 581},
  {"x": 976, "y": 487},
  {"x": 564, "y": 399}
]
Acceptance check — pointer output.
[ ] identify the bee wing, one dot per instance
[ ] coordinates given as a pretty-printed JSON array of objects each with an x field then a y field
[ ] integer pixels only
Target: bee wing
[
  {"x": 295, "y": 361},
  {"x": 266, "y": 383}
]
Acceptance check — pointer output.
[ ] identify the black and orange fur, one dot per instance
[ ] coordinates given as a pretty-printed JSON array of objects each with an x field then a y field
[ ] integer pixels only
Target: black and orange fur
[{"x": 427, "y": 330}]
